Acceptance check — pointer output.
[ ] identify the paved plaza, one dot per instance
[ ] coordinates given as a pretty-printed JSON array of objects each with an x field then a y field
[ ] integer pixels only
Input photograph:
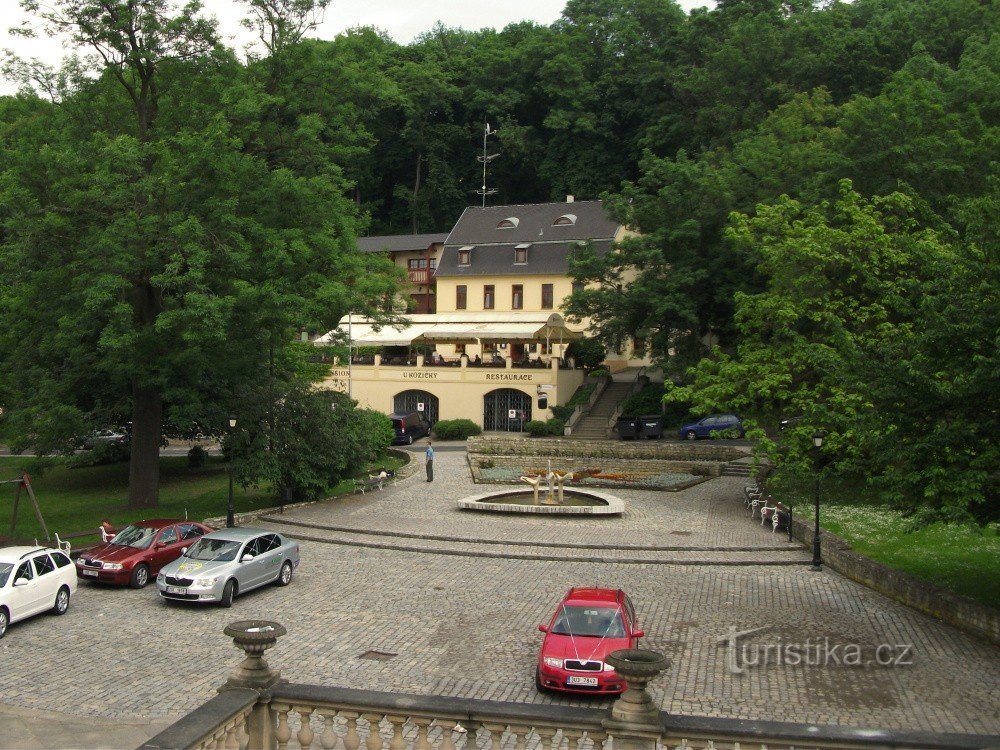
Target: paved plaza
[{"x": 457, "y": 597}]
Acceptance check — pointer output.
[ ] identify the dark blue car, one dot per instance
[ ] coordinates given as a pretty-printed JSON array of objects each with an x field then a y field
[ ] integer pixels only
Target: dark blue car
[{"x": 704, "y": 428}]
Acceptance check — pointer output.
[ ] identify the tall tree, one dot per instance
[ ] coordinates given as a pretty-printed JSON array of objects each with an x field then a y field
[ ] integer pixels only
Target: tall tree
[{"x": 175, "y": 245}]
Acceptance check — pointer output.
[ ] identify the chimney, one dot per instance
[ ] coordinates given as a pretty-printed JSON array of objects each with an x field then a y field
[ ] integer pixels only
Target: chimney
[{"x": 569, "y": 198}]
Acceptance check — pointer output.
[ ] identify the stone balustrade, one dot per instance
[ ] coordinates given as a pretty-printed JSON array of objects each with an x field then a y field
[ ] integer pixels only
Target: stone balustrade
[{"x": 256, "y": 710}]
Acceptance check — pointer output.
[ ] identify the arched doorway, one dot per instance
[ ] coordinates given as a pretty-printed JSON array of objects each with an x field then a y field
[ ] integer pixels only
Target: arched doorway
[
  {"x": 410, "y": 401},
  {"x": 498, "y": 406}
]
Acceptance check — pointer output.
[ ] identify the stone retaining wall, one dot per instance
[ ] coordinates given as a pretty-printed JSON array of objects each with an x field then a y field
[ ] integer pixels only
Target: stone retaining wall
[
  {"x": 576, "y": 463},
  {"x": 594, "y": 450},
  {"x": 956, "y": 610}
]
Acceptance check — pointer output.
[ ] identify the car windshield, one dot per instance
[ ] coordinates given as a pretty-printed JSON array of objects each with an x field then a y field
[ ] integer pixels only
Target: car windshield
[
  {"x": 5, "y": 569},
  {"x": 214, "y": 550},
  {"x": 134, "y": 536},
  {"x": 595, "y": 622}
]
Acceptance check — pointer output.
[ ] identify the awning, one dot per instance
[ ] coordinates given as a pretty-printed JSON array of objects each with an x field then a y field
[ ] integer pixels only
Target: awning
[
  {"x": 364, "y": 334},
  {"x": 458, "y": 328}
]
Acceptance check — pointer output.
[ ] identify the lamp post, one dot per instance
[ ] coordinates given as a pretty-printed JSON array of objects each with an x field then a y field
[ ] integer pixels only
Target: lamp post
[
  {"x": 817, "y": 562},
  {"x": 230, "y": 521}
]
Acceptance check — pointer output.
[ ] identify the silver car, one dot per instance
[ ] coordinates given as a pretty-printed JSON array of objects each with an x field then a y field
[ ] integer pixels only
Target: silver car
[{"x": 225, "y": 563}]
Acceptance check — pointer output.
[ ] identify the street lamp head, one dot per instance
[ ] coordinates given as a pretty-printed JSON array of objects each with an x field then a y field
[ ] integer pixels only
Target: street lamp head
[
  {"x": 818, "y": 438},
  {"x": 232, "y": 420}
]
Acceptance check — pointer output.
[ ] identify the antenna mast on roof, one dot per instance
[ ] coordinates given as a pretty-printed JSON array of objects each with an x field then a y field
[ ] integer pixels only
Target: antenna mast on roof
[{"x": 484, "y": 160}]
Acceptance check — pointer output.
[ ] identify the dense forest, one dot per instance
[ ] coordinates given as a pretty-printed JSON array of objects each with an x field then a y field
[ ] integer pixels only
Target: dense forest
[{"x": 815, "y": 184}]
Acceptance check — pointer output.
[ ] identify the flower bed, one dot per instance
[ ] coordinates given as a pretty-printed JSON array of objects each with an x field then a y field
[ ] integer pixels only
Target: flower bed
[{"x": 594, "y": 478}]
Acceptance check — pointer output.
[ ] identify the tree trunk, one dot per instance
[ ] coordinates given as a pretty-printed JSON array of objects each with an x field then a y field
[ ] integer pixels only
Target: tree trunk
[
  {"x": 416, "y": 193},
  {"x": 147, "y": 410},
  {"x": 144, "y": 460}
]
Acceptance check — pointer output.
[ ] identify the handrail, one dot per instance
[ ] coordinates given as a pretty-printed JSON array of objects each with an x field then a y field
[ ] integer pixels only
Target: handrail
[{"x": 582, "y": 409}]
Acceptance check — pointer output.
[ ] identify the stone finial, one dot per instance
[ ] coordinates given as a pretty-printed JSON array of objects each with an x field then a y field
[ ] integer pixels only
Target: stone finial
[
  {"x": 637, "y": 667},
  {"x": 254, "y": 637}
]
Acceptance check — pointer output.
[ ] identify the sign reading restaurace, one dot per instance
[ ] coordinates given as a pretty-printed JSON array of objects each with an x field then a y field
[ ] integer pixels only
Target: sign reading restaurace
[{"x": 509, "y": 376}]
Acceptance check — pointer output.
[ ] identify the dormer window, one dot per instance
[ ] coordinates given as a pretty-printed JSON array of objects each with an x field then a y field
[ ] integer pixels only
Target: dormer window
[
  {"x": 509, "y": 223},
  {"x": 465, "y": 256},
  {"x": 521, "y": 254},
  {"x": 565, "y": 220}
]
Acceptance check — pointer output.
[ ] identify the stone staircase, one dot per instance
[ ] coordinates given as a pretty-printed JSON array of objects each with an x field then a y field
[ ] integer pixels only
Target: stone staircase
[
  {"x": 593, "y": 426},
  {"x": 736, "y": 469}
]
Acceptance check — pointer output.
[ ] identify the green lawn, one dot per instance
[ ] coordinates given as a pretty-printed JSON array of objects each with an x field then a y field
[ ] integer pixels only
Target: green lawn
[
  {"x": 964, "y": 559},
  {"x": 78, "y": 499}
]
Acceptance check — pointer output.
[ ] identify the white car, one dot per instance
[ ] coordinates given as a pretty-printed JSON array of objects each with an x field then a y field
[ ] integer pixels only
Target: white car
[{"x": 33, "y": 580}]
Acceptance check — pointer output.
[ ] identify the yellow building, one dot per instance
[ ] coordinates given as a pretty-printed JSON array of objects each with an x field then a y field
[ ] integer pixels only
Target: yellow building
[{"x": 488, "y": 342}]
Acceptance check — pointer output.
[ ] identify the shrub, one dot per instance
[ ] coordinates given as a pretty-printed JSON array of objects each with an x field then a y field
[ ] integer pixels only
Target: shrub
[
  {"x": 600, "y": 372},
  {"x": 456, "y": 429},
  {"x": 537, "y": 428},
  {"x": 197, "y": 457},
  {"x": 556, "y": 426}
]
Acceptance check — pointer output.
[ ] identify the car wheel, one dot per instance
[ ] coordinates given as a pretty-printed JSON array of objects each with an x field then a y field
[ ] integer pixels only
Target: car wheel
[
  {"x": 228, "y": 594},
  {"x": 4, "y": 621},
  {"x": 691, "y": 435},
  {"x": 538, "y": 681},
  {"x": 62, "y": 601},
  {"x": 140, "y": 576},
  {"x": 285, "y": 574}
]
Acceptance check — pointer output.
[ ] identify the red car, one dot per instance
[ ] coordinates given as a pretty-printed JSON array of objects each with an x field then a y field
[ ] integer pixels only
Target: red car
[
  {"x": 587, "y": 626},
  {"x": 137, "y": 552}
]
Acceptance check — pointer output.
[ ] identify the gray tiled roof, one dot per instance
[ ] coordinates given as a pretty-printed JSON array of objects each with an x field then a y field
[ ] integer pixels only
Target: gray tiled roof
[
  {"x": 550, "y": 258},
  {"x": 478, "y": 226},
  {"x": 397, "y": 243}
]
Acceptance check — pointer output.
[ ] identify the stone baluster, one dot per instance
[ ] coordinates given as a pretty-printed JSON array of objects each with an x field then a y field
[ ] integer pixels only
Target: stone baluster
[
  {"x": 374, "y": 741},
  {"x": 520, "y": 736},
  {"x": 471, "y": 733},
  {"x": 496, "y": 733},
  {"x": 447, "y": 730},
  {"x": 573, "y": 738},
  {"x": 547, "y": 737},
  {"x": 598, "y": 739},
  {"x": 397, "y": 742},
  {"x": 352, "y": 740},
  {"x": 635, "y": 719},
  {"x": 283, "y": 732},
  {"x": 421, "y": 742},
  {"x": 305, "y": 735},
  {"x": 328, "y": 738}
]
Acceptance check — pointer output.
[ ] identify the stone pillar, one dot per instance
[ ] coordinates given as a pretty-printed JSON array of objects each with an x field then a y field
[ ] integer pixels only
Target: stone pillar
[
  {"x": 420, "y": 360},
  {"x": 635, "y": 719},
  {"x": 255, "y": 637},
  {"x": 508, "y": 362},
  {"x": 464, "y": 361},
  {"x": 378, "y": 360}
]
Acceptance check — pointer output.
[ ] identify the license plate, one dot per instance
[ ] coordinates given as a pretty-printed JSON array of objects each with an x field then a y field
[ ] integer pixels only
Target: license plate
[
  {"x": 176, "y": 590},
  {"x": 589, "y": 681},
  {"x": 90, "y": 573}
]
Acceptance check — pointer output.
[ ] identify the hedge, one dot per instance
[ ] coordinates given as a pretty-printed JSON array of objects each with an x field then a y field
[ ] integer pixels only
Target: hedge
[{"x": 455, "y": 429}]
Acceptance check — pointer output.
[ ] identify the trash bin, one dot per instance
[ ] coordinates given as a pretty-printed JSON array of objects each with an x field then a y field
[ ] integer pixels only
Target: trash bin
[
  {"x": 652, "y": 426},
  {"x": 628, "y": 428}
]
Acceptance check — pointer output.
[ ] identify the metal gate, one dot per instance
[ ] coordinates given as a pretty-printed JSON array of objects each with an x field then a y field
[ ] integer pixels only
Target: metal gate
[
  {"x": 506, "y": 410},
  {"x": 408, "y": 401}
]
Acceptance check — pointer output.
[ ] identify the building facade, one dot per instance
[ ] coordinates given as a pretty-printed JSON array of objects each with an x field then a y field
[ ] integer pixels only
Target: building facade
[{"x": 485, "y": 339}]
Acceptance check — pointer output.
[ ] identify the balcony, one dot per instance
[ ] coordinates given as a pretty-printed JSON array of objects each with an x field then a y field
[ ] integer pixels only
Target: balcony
[
  {"x": 255, "y": 710},
  {"x": 419, "y": 275}
]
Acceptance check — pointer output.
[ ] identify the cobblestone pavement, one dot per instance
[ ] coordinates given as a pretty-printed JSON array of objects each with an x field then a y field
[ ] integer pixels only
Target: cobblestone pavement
[{"x": 466, "y": 626}]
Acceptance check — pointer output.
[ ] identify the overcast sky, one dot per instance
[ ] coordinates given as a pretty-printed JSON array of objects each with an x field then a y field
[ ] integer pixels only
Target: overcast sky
[{"x": 401, "y": 19}]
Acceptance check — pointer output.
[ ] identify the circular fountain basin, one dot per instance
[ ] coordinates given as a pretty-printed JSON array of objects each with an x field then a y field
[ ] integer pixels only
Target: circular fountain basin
[{"x": 577, "y": 502}]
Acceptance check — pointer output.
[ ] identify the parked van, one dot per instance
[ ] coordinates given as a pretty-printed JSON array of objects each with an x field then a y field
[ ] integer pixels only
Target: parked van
[{"x": 408, "y": 427}]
